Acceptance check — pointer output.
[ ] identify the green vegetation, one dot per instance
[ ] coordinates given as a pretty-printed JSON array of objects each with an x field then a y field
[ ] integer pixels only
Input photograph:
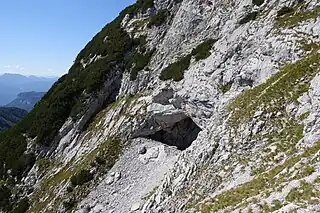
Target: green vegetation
[
  {"x": 159, "y": 18},
  {"x": 249, "y": 17},
  {"x": 109, "y": 51},
  {"x": 10, "y": 116},
  {"x": 225, "y": 87},
  {"x": 290, "y": 17},
  {"x": 284, "y": 141},
  {"x": 78, "y": 174},
  {"x": 304, "y": 115},
  {"x": 112, "y": 50},
  {"x": 262, "y": 182},
  {"x": 109, "y": 152},
  {"x": 285, "y": 10},
  {"x": 310, "y": 46},
  {"x": 140, "y": 5},
  {"x": 43, "y": 164},
  {"x": 69, "y": 204},
  {"x": 278, "y": 91},
  {"x": 10, "y": 204},
  {"x": 5, "y": 195},
  {"x": 144, "y": 4},
  {"x": 257, "y": 2},
  {"x": 202, "y": 51},
  {"x": 276, "y": 204},
  {"x": 81, "y": 177},
  {"x": 176, "y": 70},
  {"x": 22, "y": 206},
  {"x": 309, "y": 170},
  {"x": 283, "y": 135},
  {"x": 140, "y": 58},
  {"x": 140, "y": 61},
  {"x": 304, "y": 193},
  {"x": 45, "y": 193}
]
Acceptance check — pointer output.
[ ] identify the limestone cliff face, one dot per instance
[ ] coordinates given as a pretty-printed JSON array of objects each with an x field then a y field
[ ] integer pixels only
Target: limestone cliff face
[{"x": 219, "y": 112}]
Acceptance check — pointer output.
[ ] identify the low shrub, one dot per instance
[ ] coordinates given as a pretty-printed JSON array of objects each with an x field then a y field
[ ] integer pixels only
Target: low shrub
[
  {"x": 284, "y": 11},
  {"x": 176, "y": 70},
  {"x": 257, "y": 2},
  {"x": 100, "y": 160},
  {"x": 110, "y": 152},
  {"x": 202, "y": 51},
  {"x": 81, "y": 177},
  {"x": 139, "y": 62},
  {"x": 5, "y": 194},
  {"x": 225, "y": 87},
  {"x": 159, "y": 18},
  {"x": 22, "y": 206},
  {"x": 249, "y": 17},
  {"x": 69, "y": 204},
  {"x": 43, "y": 164}
]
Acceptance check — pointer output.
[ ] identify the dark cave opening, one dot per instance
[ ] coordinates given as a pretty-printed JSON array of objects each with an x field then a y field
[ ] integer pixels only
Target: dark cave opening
[{"x": 181, "y": 134}]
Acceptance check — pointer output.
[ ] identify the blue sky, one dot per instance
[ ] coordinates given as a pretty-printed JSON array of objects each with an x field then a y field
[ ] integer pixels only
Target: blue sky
[{"x": 43, "y": 37}]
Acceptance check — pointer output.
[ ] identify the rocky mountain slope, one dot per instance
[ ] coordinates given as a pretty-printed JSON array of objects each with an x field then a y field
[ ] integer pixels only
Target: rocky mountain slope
[
  {"x": 178, "y": 106},
  {"x": 26, "y": 100},
  {"x": 9, "y": 116}
]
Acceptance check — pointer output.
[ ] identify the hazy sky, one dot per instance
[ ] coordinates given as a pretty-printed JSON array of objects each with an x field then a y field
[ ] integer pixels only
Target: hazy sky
[{"x": 43, "y": 37}]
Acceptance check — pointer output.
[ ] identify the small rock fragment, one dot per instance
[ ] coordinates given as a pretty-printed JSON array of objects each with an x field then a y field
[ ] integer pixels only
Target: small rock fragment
[
  {"x": 117, "y": 176},
  {"x": 109, "y": 180},
  {"x": 135, "y": 207},
  {"x": 143, "y": 150}
]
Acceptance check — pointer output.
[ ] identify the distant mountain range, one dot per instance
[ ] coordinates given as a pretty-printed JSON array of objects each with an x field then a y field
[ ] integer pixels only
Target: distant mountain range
[
  {"x": 13, "y": 84},
  {"x": 10, "y": 116},
  {"x": 26, "y": 100}
]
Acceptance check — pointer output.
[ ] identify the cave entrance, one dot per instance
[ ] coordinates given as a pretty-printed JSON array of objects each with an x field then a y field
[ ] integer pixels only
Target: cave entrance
[{"x": 181, "y": 134}]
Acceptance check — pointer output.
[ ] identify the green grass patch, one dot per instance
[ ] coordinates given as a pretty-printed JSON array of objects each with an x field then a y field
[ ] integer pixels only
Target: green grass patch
[
  {"x": 276, "y": 204},
  {"x": 303, "y": 193},
  {"x": 290, "y": 17},
  {"x": 110, "y": 150},
  {"x": 69, "y": 204},
  {"x": 285, "y": 142},
  {"x": 308, "y": 170},
  {"x": 310, "y": 46},
  {"x": 304, "y": 116},
  {"x": 264, "y": 181},
  {"x": 272, "y": 97},
  {"x": 281, "y": 89}
]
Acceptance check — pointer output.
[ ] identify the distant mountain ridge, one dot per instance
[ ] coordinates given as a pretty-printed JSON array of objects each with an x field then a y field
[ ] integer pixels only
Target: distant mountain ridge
[
  {"x": 9, "y": 116},
  {"x": 13, "y": 84},
  {"x": 26, "y": 100}
]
